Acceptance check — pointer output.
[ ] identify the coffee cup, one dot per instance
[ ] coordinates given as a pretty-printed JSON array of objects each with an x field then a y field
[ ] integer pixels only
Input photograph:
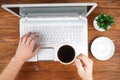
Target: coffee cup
[{"x": 66, "y": 54}]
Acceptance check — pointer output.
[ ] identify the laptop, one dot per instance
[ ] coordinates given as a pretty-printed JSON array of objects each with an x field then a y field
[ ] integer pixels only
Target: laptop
[{"x": 57, "y": 24}]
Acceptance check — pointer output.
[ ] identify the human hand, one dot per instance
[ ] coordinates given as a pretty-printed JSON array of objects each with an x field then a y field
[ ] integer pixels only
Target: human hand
[
  {"x": 26, "y": 48},
  {"x": 84, "y": 67}
]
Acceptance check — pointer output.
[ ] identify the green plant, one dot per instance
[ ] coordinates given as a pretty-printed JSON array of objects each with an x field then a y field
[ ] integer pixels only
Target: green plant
[{"x": 104, "y": 21}]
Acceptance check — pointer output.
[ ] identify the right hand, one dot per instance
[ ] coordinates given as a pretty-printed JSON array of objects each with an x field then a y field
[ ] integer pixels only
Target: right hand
[{"x": 84, "y": 67}]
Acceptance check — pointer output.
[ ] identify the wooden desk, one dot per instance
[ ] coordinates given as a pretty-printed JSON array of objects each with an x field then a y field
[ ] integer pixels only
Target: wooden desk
[{"x": 103, "y": 70}]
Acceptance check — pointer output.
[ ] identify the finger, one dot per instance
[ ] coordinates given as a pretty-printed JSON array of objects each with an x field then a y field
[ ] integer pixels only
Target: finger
[
  {"x": 20, "y": 41},
  {"x": 85, "y": 60},
  {"x": 91, "y": 61},
  {"x": 32, "y": 36},
  {"x": 78, "y": 65},
  {"x": 34, "y": 41},
  {"x": 24, "y": 38},
  {"x": 36, "y": 50}
]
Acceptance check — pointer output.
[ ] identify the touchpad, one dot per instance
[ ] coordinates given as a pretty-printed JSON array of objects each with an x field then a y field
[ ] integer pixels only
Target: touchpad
[{"x": 46, "y": 54}]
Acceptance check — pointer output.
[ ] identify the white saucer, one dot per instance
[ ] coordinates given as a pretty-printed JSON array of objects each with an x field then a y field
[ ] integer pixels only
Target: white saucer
[{"x": 102, "y": 48}]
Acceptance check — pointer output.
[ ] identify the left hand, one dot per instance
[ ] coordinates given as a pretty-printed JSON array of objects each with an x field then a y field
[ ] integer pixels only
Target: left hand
[{"x": 26, "y": 48}]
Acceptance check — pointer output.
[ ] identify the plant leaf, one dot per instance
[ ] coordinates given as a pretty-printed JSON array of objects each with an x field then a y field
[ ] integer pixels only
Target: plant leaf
[{"x": 104, "y": 21}]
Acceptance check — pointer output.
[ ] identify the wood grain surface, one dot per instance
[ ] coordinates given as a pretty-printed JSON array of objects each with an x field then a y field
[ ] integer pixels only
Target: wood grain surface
[{"x": 103, "y": 70}]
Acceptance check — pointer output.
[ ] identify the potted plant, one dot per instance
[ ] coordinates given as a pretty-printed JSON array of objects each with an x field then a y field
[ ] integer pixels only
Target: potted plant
[{"x": 103, "y": 22}]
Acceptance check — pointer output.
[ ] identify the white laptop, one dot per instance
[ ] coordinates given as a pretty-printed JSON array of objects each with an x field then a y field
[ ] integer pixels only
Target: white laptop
[{"x": 56, "y": 24}]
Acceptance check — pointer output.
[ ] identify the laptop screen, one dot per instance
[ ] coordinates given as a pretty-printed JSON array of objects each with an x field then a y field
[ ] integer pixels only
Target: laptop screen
[{"x": 51, "y": 11}]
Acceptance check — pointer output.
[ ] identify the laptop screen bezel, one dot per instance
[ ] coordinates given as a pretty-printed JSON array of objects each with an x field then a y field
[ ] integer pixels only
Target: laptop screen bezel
[{"x": 8, "y": 6}]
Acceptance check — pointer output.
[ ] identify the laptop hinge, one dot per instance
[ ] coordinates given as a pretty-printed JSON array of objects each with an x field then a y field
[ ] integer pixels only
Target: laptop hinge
[
  {"x": 81, "y": 16},
  {"x": 25, "y": 16}
]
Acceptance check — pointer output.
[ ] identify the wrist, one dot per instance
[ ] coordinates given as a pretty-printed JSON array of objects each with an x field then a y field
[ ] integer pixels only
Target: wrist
[
  {"x": 90, "y": 78},
  {"x": 17, "y": 61}
]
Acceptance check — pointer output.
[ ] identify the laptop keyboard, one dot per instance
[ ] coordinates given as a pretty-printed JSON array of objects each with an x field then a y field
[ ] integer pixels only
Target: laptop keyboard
[{"x": 57, "y": 34}]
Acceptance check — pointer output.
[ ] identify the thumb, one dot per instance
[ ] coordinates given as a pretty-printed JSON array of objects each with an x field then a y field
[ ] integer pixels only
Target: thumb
[
  {"x": 78, "y": 65},
  {"x": 36, "y": 50}
]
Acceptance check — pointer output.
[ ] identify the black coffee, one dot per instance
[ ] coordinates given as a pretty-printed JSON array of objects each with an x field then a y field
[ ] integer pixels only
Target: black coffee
[{"x": 66, "y": 54}]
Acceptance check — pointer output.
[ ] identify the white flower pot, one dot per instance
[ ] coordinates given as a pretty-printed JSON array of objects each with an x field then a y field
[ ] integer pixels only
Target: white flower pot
[{"x": 97, "y": 27}]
